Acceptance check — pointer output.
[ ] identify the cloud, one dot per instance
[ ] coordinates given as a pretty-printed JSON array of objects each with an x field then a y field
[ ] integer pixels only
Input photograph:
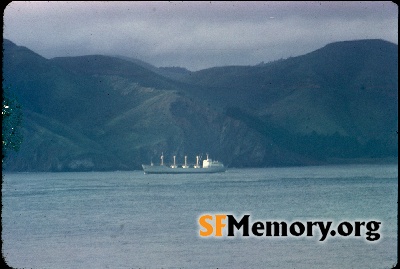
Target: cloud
[{"x": 195, "y": 35}]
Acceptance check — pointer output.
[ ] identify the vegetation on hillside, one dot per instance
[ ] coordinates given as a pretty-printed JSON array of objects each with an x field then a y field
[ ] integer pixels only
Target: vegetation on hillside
[
  {"x": 100, "y": 112},
  {"x": 11, "y": 113}
]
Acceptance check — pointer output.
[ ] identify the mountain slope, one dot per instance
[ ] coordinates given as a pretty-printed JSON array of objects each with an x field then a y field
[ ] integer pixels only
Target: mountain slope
[
  {"x": 106, "y": 113},
  {"x": 346, "y": 87},
  {"x": 102, "y": 113}
]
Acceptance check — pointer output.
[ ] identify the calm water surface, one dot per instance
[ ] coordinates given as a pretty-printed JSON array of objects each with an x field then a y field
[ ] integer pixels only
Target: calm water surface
[{"x": 132, "y": 220}]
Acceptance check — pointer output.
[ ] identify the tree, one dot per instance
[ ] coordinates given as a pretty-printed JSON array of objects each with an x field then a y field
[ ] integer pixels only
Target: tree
[{"x": 11, "y": 123}]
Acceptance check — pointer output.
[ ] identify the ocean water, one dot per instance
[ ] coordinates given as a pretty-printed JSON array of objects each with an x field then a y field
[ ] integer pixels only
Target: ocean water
[{"x": 132, "y": 220}]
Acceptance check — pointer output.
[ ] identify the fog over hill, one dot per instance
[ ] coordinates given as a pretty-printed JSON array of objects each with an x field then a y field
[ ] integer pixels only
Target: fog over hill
[{"x": 97, "y": 112}]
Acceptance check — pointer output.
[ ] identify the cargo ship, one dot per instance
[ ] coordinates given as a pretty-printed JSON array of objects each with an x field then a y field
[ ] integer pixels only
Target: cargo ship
[{"x": 209, "y": 166}]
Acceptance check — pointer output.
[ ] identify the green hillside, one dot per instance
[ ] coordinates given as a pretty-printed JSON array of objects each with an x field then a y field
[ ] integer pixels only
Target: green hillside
[
  {"x": 97, "y": 112},
  {"x": 346, "y": 89}
]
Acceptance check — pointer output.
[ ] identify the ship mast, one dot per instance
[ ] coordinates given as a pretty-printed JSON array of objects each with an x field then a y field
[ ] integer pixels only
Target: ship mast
[
  {"x": 197, "y": 162},
  {"x": 185, "y": 165},
  {"x": 174, "y": 165}
]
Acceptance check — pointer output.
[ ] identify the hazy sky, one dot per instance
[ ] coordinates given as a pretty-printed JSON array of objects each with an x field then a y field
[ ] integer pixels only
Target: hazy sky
[{"x": 195, "y": 35}]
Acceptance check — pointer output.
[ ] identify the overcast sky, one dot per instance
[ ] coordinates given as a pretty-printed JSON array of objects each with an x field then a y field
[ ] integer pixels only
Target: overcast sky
[{"x": 195, "y": 35}]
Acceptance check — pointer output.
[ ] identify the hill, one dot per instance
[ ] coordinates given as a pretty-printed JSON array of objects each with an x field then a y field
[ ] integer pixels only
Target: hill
[
  {"x": 101, "y": 112},
  {"x": 345, "y": 89}
]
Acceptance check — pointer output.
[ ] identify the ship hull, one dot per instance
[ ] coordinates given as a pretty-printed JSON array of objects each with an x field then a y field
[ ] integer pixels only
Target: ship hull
[{"x": 161, "y": 169}]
